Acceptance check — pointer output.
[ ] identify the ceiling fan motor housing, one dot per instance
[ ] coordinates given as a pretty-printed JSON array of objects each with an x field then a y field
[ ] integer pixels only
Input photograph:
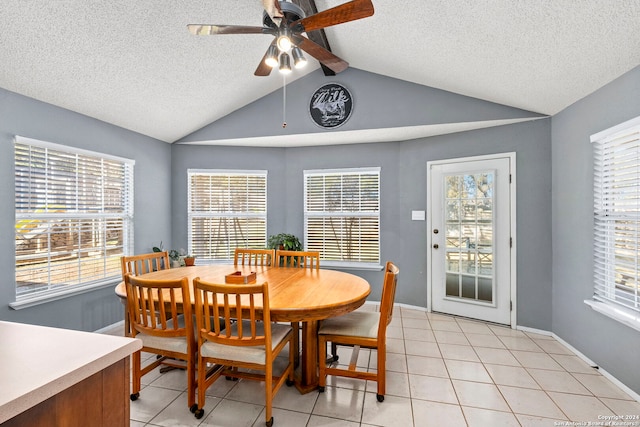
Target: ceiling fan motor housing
[{"x": 292, "y": 12}]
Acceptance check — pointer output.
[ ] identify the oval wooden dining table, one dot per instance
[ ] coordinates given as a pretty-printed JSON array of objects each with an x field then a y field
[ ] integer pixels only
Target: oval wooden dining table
[{"x": 295, "y": 295}]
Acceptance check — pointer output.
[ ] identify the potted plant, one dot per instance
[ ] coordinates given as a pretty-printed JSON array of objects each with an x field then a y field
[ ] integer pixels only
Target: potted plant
[
  {"x": 189, "y": 260},
  {"x": 284, "y": 241}
]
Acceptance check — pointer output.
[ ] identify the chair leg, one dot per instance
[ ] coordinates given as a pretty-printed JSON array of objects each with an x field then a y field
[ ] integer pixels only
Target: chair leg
[
  {"x": 322, "y": 366},
  {"x": 202, "y": 388},
  {"x": 268, "y": 388},
  {"x": 191, "y": 384},
  {"x": 135, "y": 363},
  {"x": 382, "y": 362}
]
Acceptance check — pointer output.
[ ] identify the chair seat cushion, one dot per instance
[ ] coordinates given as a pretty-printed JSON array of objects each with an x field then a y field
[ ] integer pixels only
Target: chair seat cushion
[
  {"x": 176, "y": 344},
  {"x": 355, "y": 324},
  {"x": 248, "y": 354}
]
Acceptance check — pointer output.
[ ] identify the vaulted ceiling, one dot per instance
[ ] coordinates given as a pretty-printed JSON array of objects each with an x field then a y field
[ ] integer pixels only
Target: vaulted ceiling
[{"x": 135, "y": 65}]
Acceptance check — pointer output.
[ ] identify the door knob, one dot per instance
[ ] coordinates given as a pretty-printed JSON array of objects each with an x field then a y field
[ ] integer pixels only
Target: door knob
[{"x": 435, "y": 246}]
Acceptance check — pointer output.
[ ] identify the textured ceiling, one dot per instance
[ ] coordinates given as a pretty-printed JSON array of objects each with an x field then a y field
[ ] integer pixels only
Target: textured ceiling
[{"x": 134, "y": 64}]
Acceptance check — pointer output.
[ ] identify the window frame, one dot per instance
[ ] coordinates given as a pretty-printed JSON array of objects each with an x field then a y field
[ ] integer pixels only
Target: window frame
[
  {"x": 360, "y": 265},
  {"x": 610, "y": 210},
  {"x": 228, "y": 214},
  {"x": 94, "y": 212}
]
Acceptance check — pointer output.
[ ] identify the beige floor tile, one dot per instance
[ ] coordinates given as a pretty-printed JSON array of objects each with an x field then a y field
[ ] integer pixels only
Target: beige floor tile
[
  {"x": 152, "y": 400},
  {"x": 531, "y": 402},
  {"x": 283, "y": 418},
  {"x": 443, "y": 325},
  {"x": 340, "y": 403},
  {"x": 467, "y": 371},
  {"x": 436, "y": 414},
  {"x": 430, "y": 366},
  {"x": 458, "y": 352},
  {"x": 563, "y": 382},
  {"x": 580, "y": 408},
  {"x": 395, "y": 345},
  {"x": 447, "y": 337},
  {"x": 412, "y": 334},
  {"x": 397, "y": 384},
  {"x": 470, "y": 327},
  {"x": 629, "y": 408},
  {"x": 601, "y": 386},
  {"x": 520, "y": 343},
  {"x": 482, "y": 340},
  {"x": 411, "y": 313},
  {"x": 395, "y": 332},
  {"x": 479, "y": 395},
  {"x": 432, "y": 388},
  {"x": 496, "y": 356},
  {"x": 505, "y": 331},
  {"x": 318, "y": 421},
  {"x": 515, "y": 376},
  {"x": 530, "y": 359},
  {"x": 232, "y": 413},
  {"x": 477, "y": 417},
  {"x": 416, "y": 323},
  {"x": 533, "y": 421},
  {"x": 422, "y": 348},
  {"x": 574, "y": 364},
  {"x": 177, "y": 413},
  {"x": 393, "y": 411},
  {"x": 553, "y": 347}
]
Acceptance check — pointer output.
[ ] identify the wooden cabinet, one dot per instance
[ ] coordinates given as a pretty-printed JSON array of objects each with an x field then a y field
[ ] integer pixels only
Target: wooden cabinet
[{"x": 59, "y": 378}]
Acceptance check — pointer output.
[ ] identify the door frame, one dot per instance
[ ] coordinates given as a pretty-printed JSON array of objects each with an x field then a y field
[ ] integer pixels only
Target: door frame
[{"x": 512, "y": 226}]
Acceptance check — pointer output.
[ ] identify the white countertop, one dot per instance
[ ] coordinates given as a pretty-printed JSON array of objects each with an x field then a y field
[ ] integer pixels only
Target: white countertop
[{"x": 37, "y": 362}]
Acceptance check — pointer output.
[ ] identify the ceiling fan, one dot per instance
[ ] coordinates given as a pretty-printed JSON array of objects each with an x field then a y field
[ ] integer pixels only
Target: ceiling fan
[{"x": 287, "y": 22}]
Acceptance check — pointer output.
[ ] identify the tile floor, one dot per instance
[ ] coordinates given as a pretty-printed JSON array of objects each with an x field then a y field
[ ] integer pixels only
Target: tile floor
[{"x": 441, "y": 371}]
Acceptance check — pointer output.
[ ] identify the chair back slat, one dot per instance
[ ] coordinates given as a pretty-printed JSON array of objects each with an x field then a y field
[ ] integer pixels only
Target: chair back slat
[
  {"x": 241, "y": 306},
  {"x": 144, "y": 263},
  {"x": 300, "y": 259},
  {"x": 155, "y": 305},
  {"x": 257, "y": 257},
  {"x": 388, "y": 295}
]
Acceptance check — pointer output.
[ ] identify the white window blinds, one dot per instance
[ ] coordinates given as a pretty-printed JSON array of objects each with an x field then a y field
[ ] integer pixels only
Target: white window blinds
[
  {"x": 617, "y": 215},
  {"x": 226, "y": 209},
  {"x": 342, "y": 215},
  {"x": 74, "y": 217}
]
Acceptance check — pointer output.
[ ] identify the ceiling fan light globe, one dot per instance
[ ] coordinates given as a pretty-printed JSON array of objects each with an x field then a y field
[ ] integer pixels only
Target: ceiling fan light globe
[
  {"x": 284, "y": 43},
  {"x": 271, "y": 59},
  {"x": 299, "y": 61},
  {"x": 285, "y": 64}
]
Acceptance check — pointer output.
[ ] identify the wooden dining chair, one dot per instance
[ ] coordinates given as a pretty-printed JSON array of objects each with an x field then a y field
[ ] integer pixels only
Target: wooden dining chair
[
  {"x": 360, "y": 329},
  {"x": 300, "y": 259},
  {"x": 259, "y": 257},
  {"x": 165, "y": 326},
  {"x": 141, "y": 264},
  {"x": 247, "y": 341}
]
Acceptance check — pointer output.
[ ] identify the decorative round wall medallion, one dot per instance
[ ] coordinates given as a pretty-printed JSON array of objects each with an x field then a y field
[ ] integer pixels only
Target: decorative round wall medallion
[{"x": 331, "y": 105}]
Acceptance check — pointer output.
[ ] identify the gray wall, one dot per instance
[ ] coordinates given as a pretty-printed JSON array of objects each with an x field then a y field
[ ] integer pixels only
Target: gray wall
[
  {"x": 592, "y": 333},
  {"x": 403, "y": 176},
  {"x": 23, "y": 116}
]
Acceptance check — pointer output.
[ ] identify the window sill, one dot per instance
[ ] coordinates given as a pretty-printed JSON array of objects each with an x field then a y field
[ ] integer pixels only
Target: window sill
[
  {"x": 350, "y": 266},
  {"x": 627, "y": 317},
  {"x": 32, "y": 301}
]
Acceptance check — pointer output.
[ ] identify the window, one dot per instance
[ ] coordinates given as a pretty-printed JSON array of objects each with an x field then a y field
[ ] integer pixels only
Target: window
[
  {"x": 617, "y": 216},
  {"x": 74, "y": 218},
  {"x": 342, "y": 216},
  {"x": 226, "y": 209}
]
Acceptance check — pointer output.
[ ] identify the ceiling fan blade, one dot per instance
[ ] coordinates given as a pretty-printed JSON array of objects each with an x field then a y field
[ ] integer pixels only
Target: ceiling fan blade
[
  {"x": 209, "y": 30},
  {"x": 263, "y": 69},
  {"x": 351, "y": 11},
  {"x": 325, "y": 57}
]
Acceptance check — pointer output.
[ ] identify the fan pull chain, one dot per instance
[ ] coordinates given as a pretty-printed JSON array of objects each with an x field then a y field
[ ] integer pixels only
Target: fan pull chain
[{"x": 284, "y": 101}]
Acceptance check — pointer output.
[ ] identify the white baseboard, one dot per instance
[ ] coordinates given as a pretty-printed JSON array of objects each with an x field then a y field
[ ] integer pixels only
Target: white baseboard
[{"x": 111, "y": 328}]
